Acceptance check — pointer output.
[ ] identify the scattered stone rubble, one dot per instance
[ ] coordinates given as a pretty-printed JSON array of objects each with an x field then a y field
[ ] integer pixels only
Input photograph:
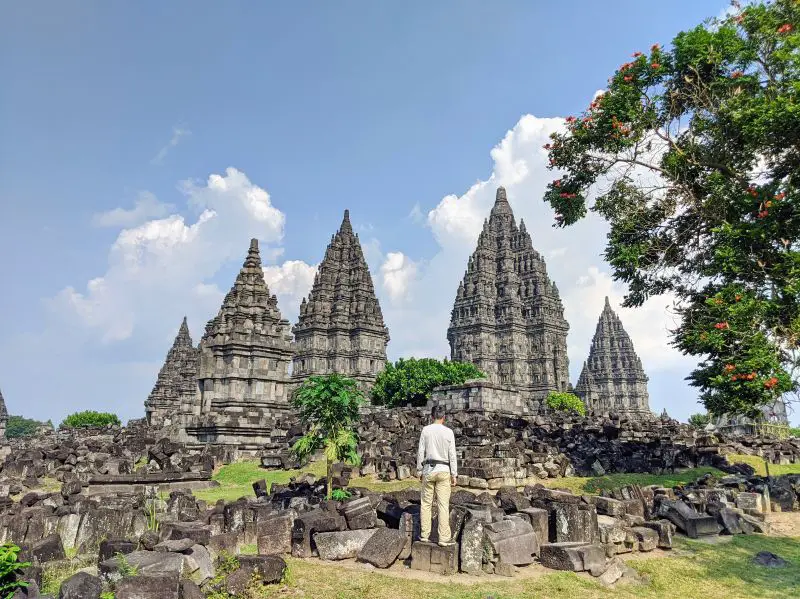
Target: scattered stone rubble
[{"x": 184, "y": 554}]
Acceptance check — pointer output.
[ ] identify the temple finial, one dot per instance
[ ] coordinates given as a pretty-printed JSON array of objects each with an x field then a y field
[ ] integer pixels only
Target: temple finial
[
  {"x": 346, "y": 226},
  {"x": 500, "y": 196}
]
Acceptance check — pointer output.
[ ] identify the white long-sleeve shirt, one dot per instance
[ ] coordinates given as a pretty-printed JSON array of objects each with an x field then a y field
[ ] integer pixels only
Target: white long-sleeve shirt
[{"x": 437, "y": 442}]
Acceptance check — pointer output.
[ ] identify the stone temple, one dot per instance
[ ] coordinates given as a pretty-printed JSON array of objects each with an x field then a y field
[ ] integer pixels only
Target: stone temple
[
  {"x": 176, "y": 387},
  {"x": 340, "y": 328},
  {"x": 244, "y": 362},
  {"x": 3, "y": 416},
  {"x": 508, "y": 318},
  {"x": 612, "y": 378}
]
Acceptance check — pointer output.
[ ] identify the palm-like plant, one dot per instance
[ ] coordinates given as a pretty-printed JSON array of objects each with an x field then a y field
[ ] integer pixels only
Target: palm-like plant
[{"x": 328, "y": 406}]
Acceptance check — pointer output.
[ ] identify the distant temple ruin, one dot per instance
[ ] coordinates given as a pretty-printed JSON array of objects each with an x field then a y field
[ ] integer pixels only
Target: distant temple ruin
[
  {"x": 3, "y": 416},
  {"x": 612, "y": 378},
  {"x": 507, "y": 319},
  {"x": 340, "y": 328}
]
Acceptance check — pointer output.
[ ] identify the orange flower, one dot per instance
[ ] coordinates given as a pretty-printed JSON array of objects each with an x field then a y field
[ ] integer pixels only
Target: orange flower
[
  {"x": 785, "y": 28},
  {"x": 752, "y": 191},
  {"x": 780, "y": 196},
  {"x": 768, "y": 204},
  {"x": 771, "y": 382},
  {"x": 722, "y": 325},
  {"x": 738, "y": 297},
  {"x": 739, "y": 18},
  {"x": 628, "y": 77},
  {"x": 655, "y": 65},
  {"x": 729, "y": 368},
  {"x": 763, "y": 214},
  {"x": 547, "y": 146},
  {"x": 557, "y": 183},
  {"x": 655, "y": 47},
  {"x": 570, "y": 119},
  {"x": 637, "y": 54},
  {"x": 736, "y": 74}
]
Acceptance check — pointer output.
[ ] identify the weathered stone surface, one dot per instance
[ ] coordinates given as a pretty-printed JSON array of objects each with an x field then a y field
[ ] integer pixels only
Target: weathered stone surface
[
  {"x": 472, "y": 544},
  {"x": 343, "y": 544},
  {"x": 198, "y": 563},
  {"x": 612, "y": 378},
  {"x": 383, "y": 547},
  {"x": 145, "y": 562},
  {"x": 571, "y": 522},
  {"x": 594, "y": 558},
  {"x": 665, "y": 530},
  {"x": 689, "y": 521},
  {"x": 267, "y": 569},
  {"x": 609, "y": 507},
  {"x": 305, "y": 525},
  {"x": 111, "y": 547},
  {"x": 359, "y": 514},
  {"x": 48, "y": 549},
  {"x": 430, "y": 557},
  {"x": 340, "y": 327},
  {"x": 540, "y": 521},
  {"x": 512, "y": 541},
  {"x": 81, "y": 586},
  {"x": 175, "y": 545},
  {"x": 562, "y": 556},
  {"x": 149, "y": 586},
  {"x": 750, "y": 501},
  {"x": 769, "y": 560},
  {"x": 612, "y": 530},
  {"x": 190, "y": 590},
  {"x": 275, "y": 533},
  {"x": 646, "y": 537}
]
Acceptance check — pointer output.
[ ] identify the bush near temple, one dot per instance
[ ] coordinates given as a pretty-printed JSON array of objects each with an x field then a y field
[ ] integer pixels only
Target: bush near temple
[
  {"x": 565, "y": 402},
  {"x": 699, "y": 420},
  {"x": 410, "y": 381},
  {"x": 89, "y": 418},
  {"x": 19, "y": 426},
  {"x": 693, "y": 156}
]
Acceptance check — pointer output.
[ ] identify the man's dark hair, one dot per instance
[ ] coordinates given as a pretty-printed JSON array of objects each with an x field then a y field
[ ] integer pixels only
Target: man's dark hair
[{"x": 437, "y": 413}]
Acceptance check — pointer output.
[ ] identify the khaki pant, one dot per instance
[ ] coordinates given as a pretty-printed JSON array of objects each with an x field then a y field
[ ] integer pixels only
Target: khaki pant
[{"x": 437, "y": 484}]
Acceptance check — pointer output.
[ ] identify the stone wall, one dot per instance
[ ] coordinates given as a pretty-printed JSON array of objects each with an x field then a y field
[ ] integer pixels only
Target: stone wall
[{"x": 480, "y": 395}]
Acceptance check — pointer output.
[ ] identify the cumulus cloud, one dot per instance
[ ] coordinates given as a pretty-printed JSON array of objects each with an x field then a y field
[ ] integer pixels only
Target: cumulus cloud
[
  {"x": 291, "y": 282},
  {"x": 397, "y": 274},
  {"x": 178, "y": 133},
  {"x": 146, "y": 207},
  {"x": 419, "y": 321},
  {"x": 163, "y": 267}
]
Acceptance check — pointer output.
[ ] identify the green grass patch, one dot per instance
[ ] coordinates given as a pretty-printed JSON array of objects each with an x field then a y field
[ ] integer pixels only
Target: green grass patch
[
  {"x": 760, "y": 467},
  {"x": 236, "y": 480},
  {"x": 55, "y": 573}
]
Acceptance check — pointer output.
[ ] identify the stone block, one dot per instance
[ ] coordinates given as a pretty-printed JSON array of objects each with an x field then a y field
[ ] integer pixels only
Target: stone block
[
  {"x": 81, "y": 586},
  {"x": 540, "y": 521},
  {"x": 512, "y": 541},
  {"x": 612, "y": 530},
  {"x": 562, "y": 556},
  {"x": 146, "y": 562},
  {"x": 274, "y": 533},
  {"x": 48, "y": 549},
  {"x": 305, "y": 525},
  {"x": 111, "y": 547},
  {"x": 594, "y": 558},
  {"x": 383, "y": 547},
  {"x": 608, "y": 506},
  {"x": 571, "y": 522},
  {"x": 267, "y": 569},
  {"x": 183, "y": 530},
  {"x": 359, "y": 514},
  {"x": 343, "y": 544},
  {"x": 472, "y": 545},
  {"x": 149, "y": 586},
  {"x": 430, "y": 557},
  {"x": 665, "y": 530},
  {"x": 646, "y": 537},
  {"x": 750, "y": 501},
  {"x": 687, "y": 520}
]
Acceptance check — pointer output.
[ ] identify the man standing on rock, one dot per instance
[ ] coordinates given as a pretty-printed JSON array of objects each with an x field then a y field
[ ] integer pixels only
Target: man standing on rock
[{"x": 437, "y": 470}]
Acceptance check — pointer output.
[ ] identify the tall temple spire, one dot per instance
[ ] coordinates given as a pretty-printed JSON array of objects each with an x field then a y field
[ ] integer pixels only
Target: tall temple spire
[
  {"x": 613, "y": 379},
  {"x": 246, "y": 349},
  {"x": 340, "y": 327},
  {"x": 507, "y": 318},
  {"x": 176, "y": 384},
  {"x": 3, "y": 416}
]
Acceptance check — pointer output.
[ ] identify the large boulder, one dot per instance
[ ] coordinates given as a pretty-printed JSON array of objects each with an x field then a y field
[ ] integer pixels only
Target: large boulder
[
  {"x": 343, "y": 544},
  {"x": 164, "y": 585},
  {"x": 81, "y": 586}
]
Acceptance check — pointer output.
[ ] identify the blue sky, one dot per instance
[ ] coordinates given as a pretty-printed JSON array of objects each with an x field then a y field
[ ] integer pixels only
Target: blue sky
[{"x": 119, "y": 122}]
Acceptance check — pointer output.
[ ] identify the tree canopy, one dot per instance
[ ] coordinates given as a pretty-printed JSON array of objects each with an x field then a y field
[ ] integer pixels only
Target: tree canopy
[
  {"x": 19, "y": 426},
  {"x": 89, "y": 418},
  {"x": 565, "y": 402},
  {"x": 410, "y": 381},
  {"x": 692, "y": 155}
]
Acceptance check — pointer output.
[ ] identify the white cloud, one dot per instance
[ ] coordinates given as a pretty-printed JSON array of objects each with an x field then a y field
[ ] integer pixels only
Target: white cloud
[
  {"x": 291, "y": 282},
  {"x": 146, "y": 206},
  {"x": 178, "y": 133},
  {"x": 162, "y": 267},
  {"x": 397, "y": 274}
]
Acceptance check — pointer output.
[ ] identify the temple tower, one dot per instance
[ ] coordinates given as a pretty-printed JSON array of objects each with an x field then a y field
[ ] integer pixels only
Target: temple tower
[
  {"x": 340, "y": 327},
  {"x": 176, "y": 384},
  {"x": 246, "y": 349},
  {"x": 612, "y": 379},
  {"x": 3, "y": 416},
  {"x": 508, "y": 319}
]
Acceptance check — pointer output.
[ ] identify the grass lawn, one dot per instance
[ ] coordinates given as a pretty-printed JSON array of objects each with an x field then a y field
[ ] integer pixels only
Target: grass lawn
[
  {"x": 760, "y": 466},
  {"x": 697, "y": 570},
  {"x": 236, "y": 480}
]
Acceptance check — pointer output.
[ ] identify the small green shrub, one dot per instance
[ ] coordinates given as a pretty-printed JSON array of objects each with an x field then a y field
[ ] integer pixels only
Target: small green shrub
[
  {"x": 18, "y": 426},
  {"x": 89, "y": 418},
  {"x": 794, "y": 432},
  {"x": 699, "y": 420},
  {"x": 565, "y": 402},
  {"x": 410, "y": 381},
  {"x": 10, "y": 567},
  {"x": 125, "y": 568},
  {"x": 340, "y": 495}
]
